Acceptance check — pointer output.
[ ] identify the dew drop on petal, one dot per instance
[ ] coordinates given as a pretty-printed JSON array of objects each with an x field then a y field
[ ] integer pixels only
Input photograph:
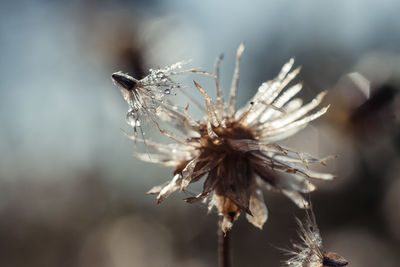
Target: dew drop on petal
[{"x": 131, "y": 118}]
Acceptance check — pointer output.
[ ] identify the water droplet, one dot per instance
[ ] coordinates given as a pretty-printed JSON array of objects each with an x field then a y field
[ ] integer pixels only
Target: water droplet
[
  {"x": 131, "y": 118},
  {"x": 167, "y": 91}
]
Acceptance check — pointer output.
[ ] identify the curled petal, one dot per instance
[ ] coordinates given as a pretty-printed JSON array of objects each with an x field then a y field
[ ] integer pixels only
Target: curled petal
[
  {"x": 171, "y": 187},
  {"x": 293, "y": 105},
  {"x": 290, "y": 117},
  {"x": 211, "y": 110},
  {"x": 302, "y": 158},
  {"x": 288, "y": 94},
  {"x": 302, "y": 122},
  {"x": 235, "y": 81},
  {"x": 319, "y": 175},
  {"x": 297, "y": 198},
  {"x": 194, "y": 170},
  {"x": 187, "y": 172},
  {"x": 157, "y": 158},
  {"x": 282, "y": 135},
  {"x": 296, "y": 183},
  {"x": 247, "y": 145},
  {"x": 156, "y": 189},
  {"x": 283, "y": 81},
  {"x": 209, "y": 185},
  {"x": 258, "y": 209},
  {"x": 268, "y": 91}
]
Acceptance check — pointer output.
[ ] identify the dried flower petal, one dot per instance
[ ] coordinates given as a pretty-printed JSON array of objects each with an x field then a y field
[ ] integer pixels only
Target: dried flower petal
[{"x": 258, "y": 209}]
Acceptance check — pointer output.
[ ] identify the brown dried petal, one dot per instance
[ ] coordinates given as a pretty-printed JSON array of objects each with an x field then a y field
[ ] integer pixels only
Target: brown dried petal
[
  {"x": 236, "y": 183},
  {"x": 209, "y": 185},
  {"x": 258, "y": 209},
  {"x": 169, "y": 188},
  {"x": 296, "y": 183},
  {"x": 264, "y": 172},
  {"x": 297, "y": 198},
  {"x": 187, "y": 172},
  {"x": 156, "y": 189}
]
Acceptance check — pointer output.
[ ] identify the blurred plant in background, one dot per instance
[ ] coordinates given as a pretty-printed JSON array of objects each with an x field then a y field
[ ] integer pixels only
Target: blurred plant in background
[{"x": 310, "y": 252}]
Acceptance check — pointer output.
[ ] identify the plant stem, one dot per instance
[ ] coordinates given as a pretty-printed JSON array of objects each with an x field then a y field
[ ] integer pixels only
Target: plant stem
[{"x": 224, "y": 250}]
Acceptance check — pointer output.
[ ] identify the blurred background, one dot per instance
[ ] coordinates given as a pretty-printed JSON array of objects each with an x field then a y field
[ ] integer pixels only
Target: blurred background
[{"x": 71, "y": 191}]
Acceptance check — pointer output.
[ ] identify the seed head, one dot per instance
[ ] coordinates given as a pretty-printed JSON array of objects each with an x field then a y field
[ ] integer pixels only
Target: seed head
[{"x": 235, "y": 149}]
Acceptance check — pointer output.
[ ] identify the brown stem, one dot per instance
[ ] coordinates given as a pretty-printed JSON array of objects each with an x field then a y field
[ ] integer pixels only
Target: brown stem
[{"x": 224, "y": 250}]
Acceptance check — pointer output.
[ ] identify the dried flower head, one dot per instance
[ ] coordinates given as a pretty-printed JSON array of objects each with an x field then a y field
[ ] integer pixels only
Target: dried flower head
[
  {"x": 145, "y": 95},
  {"x": 310, "y": 252},
  {"x": 235, "y": 149}
]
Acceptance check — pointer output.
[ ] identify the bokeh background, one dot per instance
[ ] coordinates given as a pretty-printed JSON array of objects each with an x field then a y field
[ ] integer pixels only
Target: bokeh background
[{"x": 71, "y": 191}]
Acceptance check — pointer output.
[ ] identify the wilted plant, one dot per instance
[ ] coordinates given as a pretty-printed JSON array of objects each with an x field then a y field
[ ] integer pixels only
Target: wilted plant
[{"x": 236, "y": 149}]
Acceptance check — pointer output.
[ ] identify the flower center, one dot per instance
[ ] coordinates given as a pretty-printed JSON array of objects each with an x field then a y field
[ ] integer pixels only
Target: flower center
[{"x": 223, "y": 143}]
